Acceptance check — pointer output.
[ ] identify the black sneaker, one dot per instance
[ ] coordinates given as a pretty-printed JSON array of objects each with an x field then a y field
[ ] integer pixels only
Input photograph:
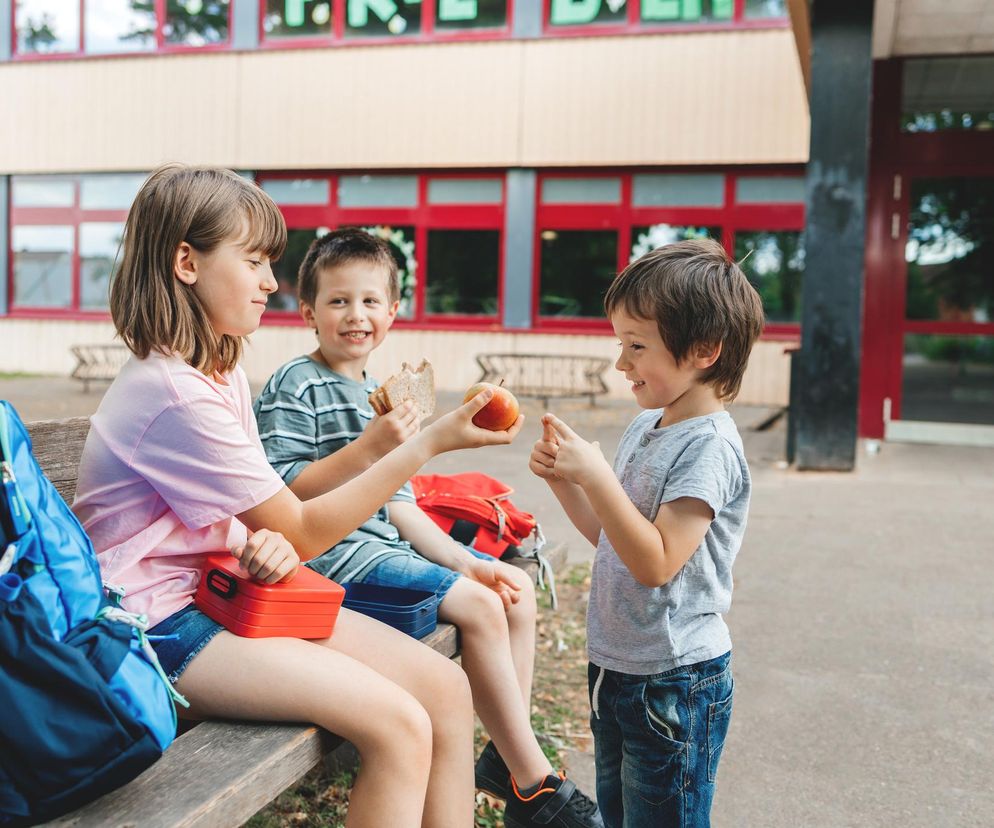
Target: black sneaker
[
  {"x": 558, "y": 803},
  {"x": 492, "y": 775}
]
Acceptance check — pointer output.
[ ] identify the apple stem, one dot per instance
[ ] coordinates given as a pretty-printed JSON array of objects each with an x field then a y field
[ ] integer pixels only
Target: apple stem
[{"x": 501, "y": 383}]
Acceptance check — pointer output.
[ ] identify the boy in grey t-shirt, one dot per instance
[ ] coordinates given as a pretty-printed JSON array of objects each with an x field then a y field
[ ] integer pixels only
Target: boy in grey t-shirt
[{"x": 667, "y": 522}]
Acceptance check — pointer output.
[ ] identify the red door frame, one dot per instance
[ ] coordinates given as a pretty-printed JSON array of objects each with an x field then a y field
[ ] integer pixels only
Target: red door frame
[{"x": 905, "y": 155}]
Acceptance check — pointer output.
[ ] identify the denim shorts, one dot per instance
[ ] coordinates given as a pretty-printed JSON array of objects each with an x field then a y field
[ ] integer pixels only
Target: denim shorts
[
  {"x": 188, "y": 631},
  {"x": 411, "y": 571},
  {"x": 657, "y": 742}
]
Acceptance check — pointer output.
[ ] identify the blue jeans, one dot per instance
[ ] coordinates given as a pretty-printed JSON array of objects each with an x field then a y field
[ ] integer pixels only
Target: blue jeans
[{"x": 657, "y": 742}]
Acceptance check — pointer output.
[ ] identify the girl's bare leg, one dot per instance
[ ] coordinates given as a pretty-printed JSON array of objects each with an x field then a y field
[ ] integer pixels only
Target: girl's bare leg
[
  {"x": 441, "y": 688},
  {"x": 497, "y": 696},
  {"x": 285, "y": 679}
]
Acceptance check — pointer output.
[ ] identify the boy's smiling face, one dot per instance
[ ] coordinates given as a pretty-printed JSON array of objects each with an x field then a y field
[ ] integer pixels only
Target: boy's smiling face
[
  {"x": 658, "y": 379},
  {"x": 352, "y": 313}
]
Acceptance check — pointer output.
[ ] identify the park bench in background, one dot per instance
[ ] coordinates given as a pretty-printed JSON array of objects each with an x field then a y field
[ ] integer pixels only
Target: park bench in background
[
  {"x": 218, "y": 773},
  {"x": 98, "y": 362},
  {"x": 546, "y": 376}
]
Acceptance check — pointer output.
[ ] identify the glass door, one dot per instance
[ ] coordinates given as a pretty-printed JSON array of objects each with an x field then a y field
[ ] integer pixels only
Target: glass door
[{"x": 947, "y": 358}]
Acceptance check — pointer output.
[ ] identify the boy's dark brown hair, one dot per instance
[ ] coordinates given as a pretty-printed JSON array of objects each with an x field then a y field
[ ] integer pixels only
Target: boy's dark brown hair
[
  {"x": 697, "y": 295},
  {"x": 349, "y": 244}
]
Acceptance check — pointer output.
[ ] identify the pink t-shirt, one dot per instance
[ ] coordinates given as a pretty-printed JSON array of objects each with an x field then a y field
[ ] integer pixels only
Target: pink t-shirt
[{"x": 172, "y": 456}]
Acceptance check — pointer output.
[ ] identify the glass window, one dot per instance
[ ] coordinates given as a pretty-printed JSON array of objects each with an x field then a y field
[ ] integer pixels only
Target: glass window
[
  {"x": 47, "y": 26},
  {"x": 98, "y": 246},
  {"x": 378, "y": 191},
  {"x": 773, "y": 189},
  {"x": 649, "y": 237},
  {"x": 118, "y": 26},
  {"x": 42, "y": 266},
  {"x": 948, "y": 379},
  {"x": 755, "y": 9},
  {"x": 298, "y": 190},
  {"x": 41, "y": 191},
  {"x": 686, "y": 11},
  {"x": 464, "y": 191},
  {"x": 949, "y": 250},
  {"x": 455, "y": 15},
  {"x": 578, "y": 266},
  {"x": 581, "y": 191},
  {"x": 382, "y": 18},
  {"x": 653, "y": 190},
  {"x": 774, "y": 266},
  {"x": 943, "y": 93},
  {"x": 297, "y": 18},
  {"x": 401, "y": 241},
  {"x": 286, "y": 269},
  {"x": 195, "y": 22},
  {"x": 109, "y": 192},
  {"x": 463, "y": 268},
  {"x": 583, "y": 12}
]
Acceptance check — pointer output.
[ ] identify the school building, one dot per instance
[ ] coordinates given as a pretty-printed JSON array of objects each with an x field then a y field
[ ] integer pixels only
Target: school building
[{"x": 517, "y": 153}]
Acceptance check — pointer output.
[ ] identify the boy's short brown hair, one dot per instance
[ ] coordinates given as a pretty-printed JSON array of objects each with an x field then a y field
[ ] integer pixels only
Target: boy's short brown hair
[
  {"x": 349, "y": 244},
  {"x": 697, "y": 295}
]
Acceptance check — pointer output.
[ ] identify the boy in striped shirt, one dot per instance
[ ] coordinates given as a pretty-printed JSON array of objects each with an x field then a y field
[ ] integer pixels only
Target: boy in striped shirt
[{"x": 319, "y": 430}]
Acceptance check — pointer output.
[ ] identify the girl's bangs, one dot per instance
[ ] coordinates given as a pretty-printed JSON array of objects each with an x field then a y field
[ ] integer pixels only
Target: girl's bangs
[{"x": 266, "y": 228}]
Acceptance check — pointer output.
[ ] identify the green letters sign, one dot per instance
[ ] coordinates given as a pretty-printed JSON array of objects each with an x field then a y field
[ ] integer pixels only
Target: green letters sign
[
  {"x": 574, "y": 12},
  {"x": 450, "y": 10}
]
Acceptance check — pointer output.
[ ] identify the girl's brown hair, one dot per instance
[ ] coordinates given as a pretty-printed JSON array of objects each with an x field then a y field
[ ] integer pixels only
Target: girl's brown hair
[
  {"x": 697, "y": 295},
  {"x": 204, "y": 207}
]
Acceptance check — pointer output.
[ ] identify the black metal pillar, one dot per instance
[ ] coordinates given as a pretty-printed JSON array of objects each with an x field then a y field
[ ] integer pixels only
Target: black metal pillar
[{"x": 825, "y": 401}]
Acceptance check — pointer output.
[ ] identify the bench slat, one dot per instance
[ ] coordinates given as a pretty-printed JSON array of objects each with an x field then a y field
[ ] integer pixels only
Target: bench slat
[{"x": 57, "y": 446}]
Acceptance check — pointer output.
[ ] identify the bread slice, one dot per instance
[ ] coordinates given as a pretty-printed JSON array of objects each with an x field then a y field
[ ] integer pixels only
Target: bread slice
[{"x": 416, "y": 384}]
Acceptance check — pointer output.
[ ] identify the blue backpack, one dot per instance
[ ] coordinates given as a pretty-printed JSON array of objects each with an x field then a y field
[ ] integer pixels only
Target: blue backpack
[{"x": 84, "y": 706}]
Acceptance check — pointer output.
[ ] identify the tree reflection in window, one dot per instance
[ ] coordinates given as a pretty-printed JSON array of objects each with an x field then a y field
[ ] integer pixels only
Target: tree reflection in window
[
  {"x": 774, "y": 263},
  {"x": 950, "y": 250}
]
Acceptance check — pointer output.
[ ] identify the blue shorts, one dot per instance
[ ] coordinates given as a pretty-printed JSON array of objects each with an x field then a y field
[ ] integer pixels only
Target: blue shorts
[
  {"x": 189, "y": 631},
  {"x": 411, "y": 571}
]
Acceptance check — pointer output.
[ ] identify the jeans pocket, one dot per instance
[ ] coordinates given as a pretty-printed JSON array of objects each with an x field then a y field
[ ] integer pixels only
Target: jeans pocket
[
  {"x": 656, "y": 748},
  {"x": 719, "y": 715}
]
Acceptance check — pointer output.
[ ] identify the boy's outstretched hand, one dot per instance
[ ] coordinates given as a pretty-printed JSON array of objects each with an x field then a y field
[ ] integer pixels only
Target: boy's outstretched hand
[
  {"x": 456, "y": 429},
  {"x": 576, "y": 460},
  {"x": 268, "y": 557},
  {"x": 387, "y": 431}
]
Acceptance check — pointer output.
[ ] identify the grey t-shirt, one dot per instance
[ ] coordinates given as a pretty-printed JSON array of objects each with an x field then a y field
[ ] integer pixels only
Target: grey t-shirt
[{"x": 639, "y": 630}]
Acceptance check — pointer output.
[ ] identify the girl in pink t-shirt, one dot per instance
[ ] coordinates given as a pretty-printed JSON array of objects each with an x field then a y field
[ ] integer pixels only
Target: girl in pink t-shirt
[{"x": 173, "y": 470}]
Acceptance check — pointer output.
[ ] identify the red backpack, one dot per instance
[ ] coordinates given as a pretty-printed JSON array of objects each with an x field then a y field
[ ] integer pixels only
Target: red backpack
[{"x": 475, "y": 509}]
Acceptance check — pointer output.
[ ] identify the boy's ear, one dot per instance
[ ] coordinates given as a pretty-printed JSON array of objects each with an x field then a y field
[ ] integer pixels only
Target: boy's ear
[
  {"x": 706, "y": 355},
  {"x": 393, "y": 312},
  {"x": 307, "y": 314},
  {"x": 184, "y": 264}
]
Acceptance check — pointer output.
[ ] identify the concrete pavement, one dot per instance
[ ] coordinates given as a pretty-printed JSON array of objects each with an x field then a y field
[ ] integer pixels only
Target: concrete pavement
[{"x": 863, "y": 622}]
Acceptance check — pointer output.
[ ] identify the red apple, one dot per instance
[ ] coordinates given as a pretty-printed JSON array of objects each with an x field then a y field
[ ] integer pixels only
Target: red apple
[{"x": 500, "y": 413}]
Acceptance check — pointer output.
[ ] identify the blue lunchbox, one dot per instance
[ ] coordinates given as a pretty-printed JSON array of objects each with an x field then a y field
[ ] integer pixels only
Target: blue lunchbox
[{"x": 412, "y": 611}]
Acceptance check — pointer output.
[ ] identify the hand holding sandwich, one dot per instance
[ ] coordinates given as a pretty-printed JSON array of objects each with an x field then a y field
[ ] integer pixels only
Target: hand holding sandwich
[{"x": 387, "y": 431}]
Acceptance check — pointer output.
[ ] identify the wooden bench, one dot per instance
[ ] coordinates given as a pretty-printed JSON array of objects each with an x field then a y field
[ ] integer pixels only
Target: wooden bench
[
  {"x": 546, "y": 376},
  {"x": 218, "y": 773},
  {"x": 97, "y": 362}
]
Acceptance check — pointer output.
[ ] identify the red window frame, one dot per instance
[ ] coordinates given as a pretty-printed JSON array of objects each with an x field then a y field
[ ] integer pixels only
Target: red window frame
[
  {"x": 731, "y": 217},
  {"x": 633, "y": 23},
  {"x": 423, "y": 217},
  {"x": 336, "y": 30},
  {"x": 73, "y": 216},
  {"x": 161, "y": 47}
]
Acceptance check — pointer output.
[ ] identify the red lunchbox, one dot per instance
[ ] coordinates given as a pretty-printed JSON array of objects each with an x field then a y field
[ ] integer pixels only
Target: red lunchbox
[{"x": 305, "y": 607}]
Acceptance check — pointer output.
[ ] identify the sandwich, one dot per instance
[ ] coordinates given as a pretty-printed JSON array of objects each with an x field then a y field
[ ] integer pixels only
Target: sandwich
[{"x": 416, "y": 384}]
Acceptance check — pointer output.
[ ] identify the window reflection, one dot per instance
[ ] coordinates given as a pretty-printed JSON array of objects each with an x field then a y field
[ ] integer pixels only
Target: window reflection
[
  {"x": 119, "y": 26},
  {"x": 297, "y": 18},
  {"x": 195, "y": 22},
  {"x": 948, "y": 379},
  {"x": 42, "y": 266},
  {"x": 649, "y": 237},
  {"x": 578, "y": 266},
  {"x": 774, "y": 264},
  {"x": 462, "y": 271},
  {"x": 47, "y": 26},
  {"x": 98, "y": 246},
  {"x": 401, "y": 243},
  {"x": 950, "y": 250}
]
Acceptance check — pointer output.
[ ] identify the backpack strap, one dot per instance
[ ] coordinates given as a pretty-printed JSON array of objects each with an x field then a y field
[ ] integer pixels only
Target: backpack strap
[
  {"x": 17, "y": 507},
  {"x": 546, "y": 574}
]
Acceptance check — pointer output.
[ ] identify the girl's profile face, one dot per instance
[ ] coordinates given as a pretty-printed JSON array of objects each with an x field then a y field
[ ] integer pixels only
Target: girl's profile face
[{"x": 232, "y": 282}]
